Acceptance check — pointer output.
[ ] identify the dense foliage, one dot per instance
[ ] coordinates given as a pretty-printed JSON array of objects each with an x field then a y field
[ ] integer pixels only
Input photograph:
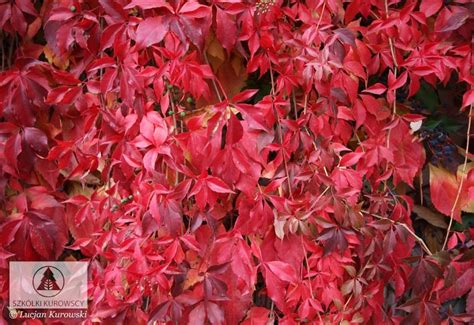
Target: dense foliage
[{"x": 226, "y": 161}]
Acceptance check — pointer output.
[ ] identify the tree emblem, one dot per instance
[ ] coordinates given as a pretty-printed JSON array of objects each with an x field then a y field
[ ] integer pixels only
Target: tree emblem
[{"x": 48, "y": 282}]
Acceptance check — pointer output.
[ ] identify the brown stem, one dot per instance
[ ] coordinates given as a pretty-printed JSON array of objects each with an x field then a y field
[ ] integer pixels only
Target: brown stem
[
  {"x": 419, "y": 239},
  {"x": 10, "y": 50},
  {"x": 280, "y": 132},
  {"x": 2, "y": 37},
  {"x": 295, "y": 109},
  {"x": 213, "y": 79},
  {"x": 321, "y": 16},
  {"x": 395, "y": 72},
  {"x": 305, "y": 104},
  {"x": 175, "y": 131},
  {"x": 461, "y": 183}
]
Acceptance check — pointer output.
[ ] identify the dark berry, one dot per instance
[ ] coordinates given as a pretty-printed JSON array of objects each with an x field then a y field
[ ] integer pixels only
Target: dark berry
[
  {"x": 402, "y": 94},
  {"x": 448, "y": 149},
  {"x": 434, "y": 141}
]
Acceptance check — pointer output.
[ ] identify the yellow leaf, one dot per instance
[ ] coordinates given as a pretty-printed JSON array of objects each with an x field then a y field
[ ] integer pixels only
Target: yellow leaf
[{"x": 61, "y": 63}]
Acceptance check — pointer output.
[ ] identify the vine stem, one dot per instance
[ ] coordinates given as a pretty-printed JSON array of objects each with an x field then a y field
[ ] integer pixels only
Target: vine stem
[
  {"x": 463, "y": 176},
  {"x": 213, "y": 81},
  {"x": 307, "y": 266},
  {"x": 419, "y": 239},
  {"x": 395, "y": 73},
  {"x": 420, "y": 179},
  {"x": 279, "y": 132},
  {"x": 295, "y": 109},
  {"x": 2, "y": 48},
  {"x": 176, "y": 132},
  {"x": 321, "y": 16},
  {"x": 308, "y": 272},
  {"x": 10, "y": 51},
  {"x": 305, "y": 104}
]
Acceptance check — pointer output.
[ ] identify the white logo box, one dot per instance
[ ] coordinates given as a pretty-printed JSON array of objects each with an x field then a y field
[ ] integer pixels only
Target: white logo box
[{"x": 48, "y": 285}]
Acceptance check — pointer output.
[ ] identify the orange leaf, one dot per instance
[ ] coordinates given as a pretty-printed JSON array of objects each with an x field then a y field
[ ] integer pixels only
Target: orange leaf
[{"x": 444, "y": 188}]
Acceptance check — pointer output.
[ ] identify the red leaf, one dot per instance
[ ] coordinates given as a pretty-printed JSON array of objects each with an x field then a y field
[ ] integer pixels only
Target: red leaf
[
  {"x": 41, "y": 241},
  {"x": 463, "y": 283},
  {"x": 276, "y": 290},
  {"x": 114, "y": 10},
  {"x": 214, "y": 313},
  {"x": 13, "y": 150},
  {"x": 443, "y": 190},
  {"x": 226, "y": 29},
  {"x": 346, "y": 36},
  {"x": 149, "y": 4},
  {"x": 149, "y": 160},
  {"x": 430, "y": 7},
  {"x": 61, "y": 14},
  {"x": 37, "y": 140},
  {"x": 470, "y": 302},
  {"x": 82, "y": 214},
  {"x": 151, "y": 31},
  {"x": 468, "y": 98},
  {"x": 244, "y": 95},
  {"x": 154, "y": 129},
  {"x": 257, "y": 315},
  {"x": 351, "y": 158},
  {"x": 401, "y": 80},
  {"x": 107, "y": 82},
  {"x": 413, "y": 117},
  {"x": 102, "y": 63},
  {"x": 376, "y": 89},
  {"x": 454, "y": 21},
  {"x": 42, "y": 201},
  {"x": 194, "y": 9},
  {"x": 217, "y": 185},
  {"x": 409, "y": 156},
  {"x": 282, "y": 270},
  {"x": 198, "y": 314},
  {"x": 234, "y": 130},
  {"x": 423, "y": 275}
]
